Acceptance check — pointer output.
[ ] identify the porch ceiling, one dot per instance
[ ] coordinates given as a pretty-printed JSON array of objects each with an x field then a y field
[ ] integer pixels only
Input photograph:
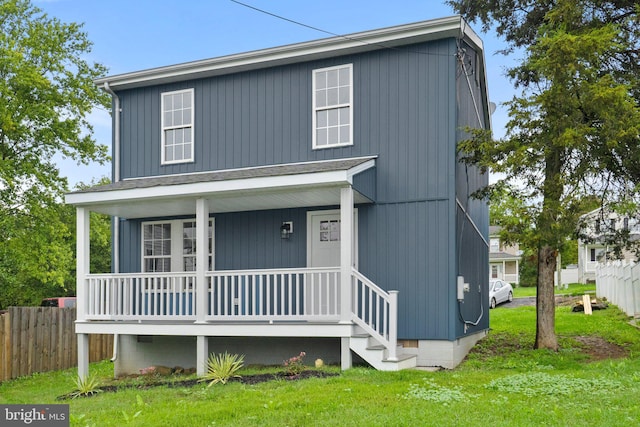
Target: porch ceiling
[{"x": 260, "y": 188}]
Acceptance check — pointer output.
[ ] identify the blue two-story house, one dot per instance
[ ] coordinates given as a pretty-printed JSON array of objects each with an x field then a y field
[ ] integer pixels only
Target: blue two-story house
[{"x": 306, "y": 197}]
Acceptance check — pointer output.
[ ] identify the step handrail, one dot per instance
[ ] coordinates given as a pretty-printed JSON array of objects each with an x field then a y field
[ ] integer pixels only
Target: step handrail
[{"x": 376, "y": 311}]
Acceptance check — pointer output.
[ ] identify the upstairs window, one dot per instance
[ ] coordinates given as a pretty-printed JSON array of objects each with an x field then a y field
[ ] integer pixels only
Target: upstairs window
[
  {"x": 177, "y": 126},
  {"x": 333, "y": 106}
]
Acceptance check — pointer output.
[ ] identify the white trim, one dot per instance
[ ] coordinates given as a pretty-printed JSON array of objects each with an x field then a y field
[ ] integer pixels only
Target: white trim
[
  {"x": 337, "y": 106},
  {"x": 360, "y": 168},
  {"x": 435, "y": 29},
  {"x": 193, "y": 189},
  {"x": 163, "y": 128},
  {"x": 177, "y": 239}
]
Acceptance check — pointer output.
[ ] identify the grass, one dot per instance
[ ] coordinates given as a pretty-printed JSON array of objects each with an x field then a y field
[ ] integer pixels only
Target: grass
[
  {"x": 503, "y": 382},
  {"x": 574, "y": 289}
]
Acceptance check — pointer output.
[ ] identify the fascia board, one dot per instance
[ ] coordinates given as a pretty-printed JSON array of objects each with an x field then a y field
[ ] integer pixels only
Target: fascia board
[
  {"x": 390, "y": 37},
  {"x": 208, "y": 188},
  {"x": 360, "y": 168}
]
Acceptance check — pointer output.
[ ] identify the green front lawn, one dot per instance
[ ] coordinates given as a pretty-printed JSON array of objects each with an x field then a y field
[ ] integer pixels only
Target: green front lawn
[
  {"x": 503, "y": 382},
  {"x": 574, "y": 289}
]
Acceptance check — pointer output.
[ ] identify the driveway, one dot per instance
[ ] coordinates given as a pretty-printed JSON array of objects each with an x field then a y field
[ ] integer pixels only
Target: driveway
[{"x": 519, "y": 302}]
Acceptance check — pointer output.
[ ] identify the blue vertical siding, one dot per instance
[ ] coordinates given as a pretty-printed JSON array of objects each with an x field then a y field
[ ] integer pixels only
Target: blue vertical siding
[
  {"x": 472, "y": 215},
  {"x": 405, "y": 113}
]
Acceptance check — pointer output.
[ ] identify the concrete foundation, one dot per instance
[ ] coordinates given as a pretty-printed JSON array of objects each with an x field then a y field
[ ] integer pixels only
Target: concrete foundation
[{"x": 138, "y": 352}]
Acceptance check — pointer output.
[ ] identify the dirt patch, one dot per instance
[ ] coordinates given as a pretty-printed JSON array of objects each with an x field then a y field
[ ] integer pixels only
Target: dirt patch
[
  {"x": 600, "y": 349},
  {"x": 247, "y": 379}
]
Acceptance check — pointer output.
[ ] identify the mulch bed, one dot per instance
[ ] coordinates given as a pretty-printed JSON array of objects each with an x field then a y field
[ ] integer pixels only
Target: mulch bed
[{"x": 247, "y": 379}]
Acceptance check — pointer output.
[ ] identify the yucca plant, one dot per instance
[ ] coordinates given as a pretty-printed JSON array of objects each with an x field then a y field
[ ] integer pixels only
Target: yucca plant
[
  {"x": 86, "y": 386},
  {"x": 222, "y": 367}
]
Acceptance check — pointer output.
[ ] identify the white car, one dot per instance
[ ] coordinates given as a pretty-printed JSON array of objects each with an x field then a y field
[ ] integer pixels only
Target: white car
[{"x": 499, "y": 292}]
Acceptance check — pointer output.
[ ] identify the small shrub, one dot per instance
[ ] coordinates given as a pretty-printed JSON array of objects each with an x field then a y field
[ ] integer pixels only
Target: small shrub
[
  {"x": 86, "y": 386},
  {"x": 294, "y": 365},
  {"x": 222, "y": 367}
]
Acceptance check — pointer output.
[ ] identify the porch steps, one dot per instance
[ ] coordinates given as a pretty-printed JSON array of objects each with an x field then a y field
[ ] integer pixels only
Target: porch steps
[{"x": 365, "y": 346}]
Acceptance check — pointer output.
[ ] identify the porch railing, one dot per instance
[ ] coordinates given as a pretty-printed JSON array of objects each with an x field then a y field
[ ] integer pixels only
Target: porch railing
[
  {"x": 298, "y": 294},
  {"x": 279, "y": 294},
  {"x": 376, "y": 311},
  {"x": 141, "y": 296}
]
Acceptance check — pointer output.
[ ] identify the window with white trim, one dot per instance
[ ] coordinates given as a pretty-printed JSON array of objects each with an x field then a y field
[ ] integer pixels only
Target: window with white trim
[
  {"x": 494, "y": 245},
  {"x": 156, "y": 247},
  {"x": 333, "y": 106},
  {"x": 171, "y": 246},
  {"x": 177, "y": 126}
]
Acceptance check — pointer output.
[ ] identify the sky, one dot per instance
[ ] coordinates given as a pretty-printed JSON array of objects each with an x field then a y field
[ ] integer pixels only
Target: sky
[{"x": 133, "y": 35}]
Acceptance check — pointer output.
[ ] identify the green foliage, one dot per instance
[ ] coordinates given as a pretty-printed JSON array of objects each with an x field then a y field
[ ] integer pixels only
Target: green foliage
[
  {"x": 294, "y": 365},
  {"x": 46, "y": 95},
  {"x": 222, "y": 367},
  {"x": 433, "y": 392},
  {"x": 536, "y": 384},
  {"x": 139, "y": 405},
  {"x": 574, "y": 129},
  {"x": 86, "y": 386}
]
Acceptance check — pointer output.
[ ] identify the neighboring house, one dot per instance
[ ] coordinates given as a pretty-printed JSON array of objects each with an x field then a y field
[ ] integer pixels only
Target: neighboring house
[
  {"x": 595, "y": 245},
  {"x": 504, "y": 260},
  {"x": 299, "y": 198}
]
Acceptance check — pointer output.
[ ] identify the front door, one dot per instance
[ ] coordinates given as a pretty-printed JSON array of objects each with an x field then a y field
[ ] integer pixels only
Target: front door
[
  {"x": 323, "y": 237},
  {"x": 325, "y": 240}
]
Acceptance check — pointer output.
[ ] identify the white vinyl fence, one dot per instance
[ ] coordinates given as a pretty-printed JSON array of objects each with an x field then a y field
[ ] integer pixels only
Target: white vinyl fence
[{"x": 619, "y": 282}]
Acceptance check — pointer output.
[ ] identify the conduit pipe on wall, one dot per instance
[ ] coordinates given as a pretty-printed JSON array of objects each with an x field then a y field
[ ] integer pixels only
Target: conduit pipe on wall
[{"x": 116, "y": 178}]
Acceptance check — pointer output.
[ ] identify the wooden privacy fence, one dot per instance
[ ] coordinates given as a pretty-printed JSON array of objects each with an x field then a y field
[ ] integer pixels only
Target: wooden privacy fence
[
  {"x": 619, "y": 282},
  {"x": 41, "y": 339}
]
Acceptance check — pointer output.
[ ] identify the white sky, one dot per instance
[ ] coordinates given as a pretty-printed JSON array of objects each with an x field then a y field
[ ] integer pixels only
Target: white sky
[{"x": 131, "y": 35}]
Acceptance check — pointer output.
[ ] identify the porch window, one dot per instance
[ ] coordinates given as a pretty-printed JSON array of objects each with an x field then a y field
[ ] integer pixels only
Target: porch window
[
  {"x": 157, "y": 247},
  {"x": 494, "y": 271},
  {"x": 171, "y": 246},
  {"x": 332, "y": 106},
  {"x": 177, "y": 126},
  {"x": 189, "y": 246}
]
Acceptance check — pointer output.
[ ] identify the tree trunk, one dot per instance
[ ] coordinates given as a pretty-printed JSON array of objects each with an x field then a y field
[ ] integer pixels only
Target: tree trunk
[{"x": 545, "y": 301}]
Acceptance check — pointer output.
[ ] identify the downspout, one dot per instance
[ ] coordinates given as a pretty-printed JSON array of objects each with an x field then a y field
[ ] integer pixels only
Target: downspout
[{"x": 116, "y": 178}]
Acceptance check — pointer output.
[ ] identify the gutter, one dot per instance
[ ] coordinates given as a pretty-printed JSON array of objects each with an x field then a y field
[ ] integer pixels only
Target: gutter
[
  {"x": 365, "y": 41},
  {"x": 116, "y": 178}
]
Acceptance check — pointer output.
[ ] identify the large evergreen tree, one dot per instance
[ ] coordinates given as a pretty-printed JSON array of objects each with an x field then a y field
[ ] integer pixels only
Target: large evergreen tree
[{"x": 574, "y": 128}]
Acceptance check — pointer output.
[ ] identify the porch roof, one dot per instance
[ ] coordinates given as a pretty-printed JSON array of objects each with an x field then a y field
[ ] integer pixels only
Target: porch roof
[{"x": 256, "y": 188}]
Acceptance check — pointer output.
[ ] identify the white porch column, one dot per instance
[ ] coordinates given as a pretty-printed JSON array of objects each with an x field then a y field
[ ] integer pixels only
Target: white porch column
[
  {"x": 202, "y": 258},
  {"x": 346, "y": 249},
  {"x": 82, "y": 261},
  {"x": 202, "y": 354},
  {"x": 82, "y": 269},
  {"x": 346, "y": 361},
  {"x": 83, "y": 355}
]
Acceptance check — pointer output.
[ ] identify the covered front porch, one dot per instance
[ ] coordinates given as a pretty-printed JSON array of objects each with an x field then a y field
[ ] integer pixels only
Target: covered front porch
[{"x": 306, "y": 301}]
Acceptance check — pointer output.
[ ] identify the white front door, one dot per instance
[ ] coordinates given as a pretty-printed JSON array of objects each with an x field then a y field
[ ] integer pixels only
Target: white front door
[
  {"x": 323, "y": 250},
  {"x": 323, "y": 237}
]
